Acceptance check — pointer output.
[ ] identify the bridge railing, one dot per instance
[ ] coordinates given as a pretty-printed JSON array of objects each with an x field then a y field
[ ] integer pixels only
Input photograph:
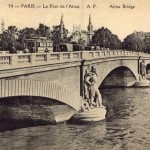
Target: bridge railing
[
  {"x": 102, "y": 54},
  {"x": 5, "y": 60},
  {"x": 33, "y": 59},
  {"x": 28, "y": 59}
]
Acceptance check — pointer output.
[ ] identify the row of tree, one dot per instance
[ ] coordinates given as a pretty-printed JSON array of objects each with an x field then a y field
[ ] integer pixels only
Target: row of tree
[
  {"x": 103, "y": 37},
  {"x": 12, "y": 37},
  {"x": 133, "y": 42},
  {"x": 137, "y": 43}
]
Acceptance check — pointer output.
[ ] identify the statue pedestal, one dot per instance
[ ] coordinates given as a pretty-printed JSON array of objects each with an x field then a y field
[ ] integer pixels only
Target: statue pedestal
[
  {"x": 93, "y": 115},
  {"x": 142, "y": 83}
]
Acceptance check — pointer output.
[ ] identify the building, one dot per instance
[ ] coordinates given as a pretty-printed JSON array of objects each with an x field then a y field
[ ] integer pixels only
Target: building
[
  {"x": 2, "y": 29},
  {"x": 2, "y": 26},
  {"x": 90, "y": 32},
  {"x": 79, "y": 35},
  {"x": 39, "y": 44},
  {"x": 62, "y": 27},
  {"x": 83, "y": 35}
]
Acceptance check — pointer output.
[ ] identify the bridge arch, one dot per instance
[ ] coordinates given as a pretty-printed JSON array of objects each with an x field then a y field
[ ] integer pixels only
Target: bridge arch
[
  {"x": 112, "y": 69},
  {"x": 148, "y": 68},
  {"x": 119, "y": 77},
  {"x": 21, "y": 87},
  {"x": 33, "y": 111}
]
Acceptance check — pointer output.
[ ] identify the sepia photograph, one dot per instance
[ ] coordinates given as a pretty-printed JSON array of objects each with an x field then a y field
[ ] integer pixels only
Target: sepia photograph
[{"x": 74, "y": 75}]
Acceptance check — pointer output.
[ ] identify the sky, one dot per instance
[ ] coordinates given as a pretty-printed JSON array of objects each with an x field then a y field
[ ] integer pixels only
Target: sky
[{"x": 121, "y": 21}]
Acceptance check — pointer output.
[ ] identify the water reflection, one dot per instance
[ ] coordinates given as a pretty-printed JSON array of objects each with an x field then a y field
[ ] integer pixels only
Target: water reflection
[
  {"x": 127, "y": 117},
  {"x": 127, "y": 127}
]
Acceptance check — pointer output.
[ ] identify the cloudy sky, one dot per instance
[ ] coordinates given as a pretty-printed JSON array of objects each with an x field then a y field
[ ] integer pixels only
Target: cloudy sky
[{"x": 121, "y": 21}]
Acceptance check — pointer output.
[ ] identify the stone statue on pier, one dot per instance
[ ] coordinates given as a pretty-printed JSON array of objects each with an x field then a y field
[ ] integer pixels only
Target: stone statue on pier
[
  {"x": 91, "y": 92},
  {"x": 142, "y": 70}
]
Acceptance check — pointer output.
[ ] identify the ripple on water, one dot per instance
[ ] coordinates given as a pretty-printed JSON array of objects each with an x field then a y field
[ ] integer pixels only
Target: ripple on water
[{"x": 127, "y": 127}]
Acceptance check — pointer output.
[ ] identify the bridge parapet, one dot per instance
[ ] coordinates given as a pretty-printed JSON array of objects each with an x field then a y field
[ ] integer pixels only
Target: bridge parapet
[
  {"x": 114, "y": 53},
  {"x": 10, "y": 61}
]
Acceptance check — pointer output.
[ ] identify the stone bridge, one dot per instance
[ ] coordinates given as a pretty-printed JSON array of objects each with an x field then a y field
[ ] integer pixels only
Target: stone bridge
[
  {"x": 60, "y": 76},
  {"x": 23, "y": 87}
]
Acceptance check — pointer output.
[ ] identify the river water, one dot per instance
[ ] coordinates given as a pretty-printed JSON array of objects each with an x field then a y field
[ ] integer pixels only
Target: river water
[{"x": 127, "y": 127}]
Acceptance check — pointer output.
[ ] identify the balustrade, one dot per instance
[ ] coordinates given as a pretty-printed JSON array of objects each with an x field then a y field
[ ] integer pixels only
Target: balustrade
[
  {"x": 66, "y": 56},
  {"x": 76, "y": 55},
  {"x": 40, "y": 57},
  {"x": 4, "y": 59},
  {"x": 24, "y": 59},
  {"x": 15, "y": 60},
  {"x": 55, "y": 56}
]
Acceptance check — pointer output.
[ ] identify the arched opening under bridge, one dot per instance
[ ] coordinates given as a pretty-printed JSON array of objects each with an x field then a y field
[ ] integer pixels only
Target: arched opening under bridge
[
  {"x": 26, "y": 111},
  {"x": 119, "y": 77}
]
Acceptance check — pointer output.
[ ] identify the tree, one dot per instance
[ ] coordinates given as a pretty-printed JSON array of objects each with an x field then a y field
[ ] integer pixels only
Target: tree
[
  {"x": 12, "y": 38},
  {"x": 134, "y": 43},
  {"x": 43, "y": 31},
  {"x": 26, "y": 33},
  {"x": 56, "y": 35},
  {"x": 146, "y": 45},
  {"x": 104, "y": 38},
  {"x": 12, "y": 30},
  {"x": 9, "y": 38}
]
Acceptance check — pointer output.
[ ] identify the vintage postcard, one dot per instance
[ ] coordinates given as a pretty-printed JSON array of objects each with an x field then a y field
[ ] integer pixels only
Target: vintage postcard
[{"x": 74, "y": 74}]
